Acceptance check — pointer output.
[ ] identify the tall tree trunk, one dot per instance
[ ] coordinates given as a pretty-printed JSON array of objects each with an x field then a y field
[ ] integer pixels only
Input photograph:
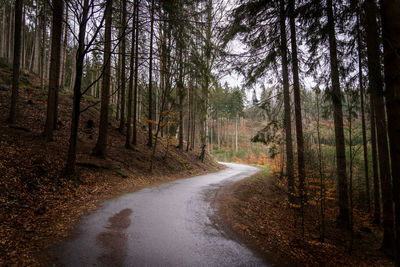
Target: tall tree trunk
[
  {"x": 181, "y": 90},
  {"x": 286, "y": 101},
  {"x": 135, "y": 94},
  {"x": 343, "y": 218},
  {"x": 150, "y": 111},
  {"x": 376, "y": 90},
  {"x": 218, "y": 133},
  {"x": 390, "y": 13},
  {"x": 36, "y": 53},
  {"x": 364, "y": 134},
  {"x": 58, "y": 9},
  {"x": 130, "y": 89},
  {"x": 17, "y": 60},
  {"x": 100, "y": 149},
  {"x": 11, "y": 33},
  {"x": 3, "y": 31},
  {"x": 23, "y": 39},
  {"x": 43, "y": 46},
  {"x": 236, "y": 133},
  {"x": 297, "y": 102},
  {"x": 377, "y": 195},
  {"x": 76, "y": 103},
  {"x": 123, "y": 67},
  {"x": 64, "y": 50}
]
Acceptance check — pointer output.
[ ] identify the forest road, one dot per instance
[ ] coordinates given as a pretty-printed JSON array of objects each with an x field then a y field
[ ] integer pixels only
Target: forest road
[{"x": 167, "y": 225}]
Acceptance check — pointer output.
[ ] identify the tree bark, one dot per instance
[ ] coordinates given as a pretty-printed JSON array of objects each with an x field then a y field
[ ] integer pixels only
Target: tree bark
[
  {"x": 286, "y": 101},
  {"x": 100, "y": 150},
  {"x": 135, "y": 94},
  {"x": 376, "y": 90},
  {"x": 76, "y": 109},
  {"x": 64, "y": 50},
  {"x": 297, "y": 101},
  {"x": 343, "y": 218},
  {"x": 54, "y": 86},
  {"x": 377, "y": 195},
  {"x": 130, "y": 89},
  {"x": 364, "y": 135},
  {"x": 36, "y": 53},
  {"x": 123, "y": 67},
  {"x": 390, "y": 13},
  {"x": 150, "y": 111},
  {"x": 17, "y": 60}
]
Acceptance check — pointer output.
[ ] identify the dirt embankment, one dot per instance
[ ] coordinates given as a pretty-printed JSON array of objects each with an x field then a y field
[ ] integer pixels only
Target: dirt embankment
[
  {"x": 256, "y": 210},
  {"x": 38, "y": 206}
]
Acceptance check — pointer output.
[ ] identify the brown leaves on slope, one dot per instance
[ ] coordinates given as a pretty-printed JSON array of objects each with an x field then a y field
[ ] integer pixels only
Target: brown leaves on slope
[{"x": 257, "y": 210}]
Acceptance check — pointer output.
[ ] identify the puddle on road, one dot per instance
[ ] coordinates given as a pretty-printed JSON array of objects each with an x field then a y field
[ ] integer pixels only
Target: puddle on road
[{"x": 114, "y": 240}]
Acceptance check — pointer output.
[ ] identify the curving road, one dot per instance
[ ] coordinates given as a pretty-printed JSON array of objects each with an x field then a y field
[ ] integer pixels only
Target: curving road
[{"x": 166, "y": 225}]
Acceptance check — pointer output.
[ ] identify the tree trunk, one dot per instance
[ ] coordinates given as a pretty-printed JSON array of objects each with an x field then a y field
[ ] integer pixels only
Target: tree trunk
[
  {"x": 236, "y": 134},
  {"x": 181, "y": 91},
  {"x": 364, "y": 135},
  {"x": 100, "y": 150},
  {"x": 376, "y": 90},
  {"x": 4, "y": 34},
  {"x": 23, "y": 39},
  {"x": 76, "y": 109},
  {"x": 390, "y": 13},
  {"x": 377, "y": 195},
  {"x": 135, "y": 94},
  {"x": 58, "y": 9},
  {"x": 218, "y": 133},
  {"x": 131, "y": 73},
  {"x": 150, "y": 117},
  {"x": 286, "y": 101},
  {"x": 297, "y": 102},
  {"x": 343, "y": 218},
  {"x": 64, "y": 51},
  {"x": 36, "y": 53},
  {"x": 16, "y": 63},
  {"x": 43, "y": 46},
  {"x": 11, "y": 33},
  {"x": 123, "y": 68}
]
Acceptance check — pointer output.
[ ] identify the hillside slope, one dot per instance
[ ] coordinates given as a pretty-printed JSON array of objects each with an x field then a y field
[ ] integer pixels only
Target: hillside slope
[{"x": 38, "y": 206}]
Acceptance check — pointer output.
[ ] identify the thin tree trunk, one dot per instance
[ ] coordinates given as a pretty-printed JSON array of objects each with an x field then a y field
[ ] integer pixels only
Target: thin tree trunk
[
  {"x": 135, "y": 94},
  {"x": 100, "y": 150},
  {"x": 364, "y": 135},
  {"x": 286, "y": 101},
  {"x": 80, "y": 56},
  {"x": 297, "y": 103},
  {"x": 390, "y": 13},
  {"x": 123, "y": 67},
  {"x": 11, "y": 34},
  {"x": 376, "y": 90},
  {"x": 130, "y": 89},
  {"x": 321, "y": 179},
  {"x": 35, "y": 67},
  {"x": 64, "y": 50},
  {"x": 343, "y": 218},
  {"x": 3, "y": 32},
  {"x": 23, "y": 39},
  {"x": 58, "y": 10},
  {"x": 16, "y": 64},
  {"x": 181, "y": 91},
  {"x": 150, "y": 117},
  {"x": 218, "y": 132},
  {"x": 377, "y": 195},
  {"x": 43, "y": 46},
  {"x": 236, "y": 134}
]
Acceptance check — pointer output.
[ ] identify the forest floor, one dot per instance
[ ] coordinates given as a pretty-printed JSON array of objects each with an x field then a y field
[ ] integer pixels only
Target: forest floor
[
  {"x": 256, "y": 209},
  {"x": 38, "y": 205}
]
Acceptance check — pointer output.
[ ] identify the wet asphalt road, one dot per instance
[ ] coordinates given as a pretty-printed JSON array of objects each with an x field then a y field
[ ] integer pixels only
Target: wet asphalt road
[{"x": 166, "y": 225}]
